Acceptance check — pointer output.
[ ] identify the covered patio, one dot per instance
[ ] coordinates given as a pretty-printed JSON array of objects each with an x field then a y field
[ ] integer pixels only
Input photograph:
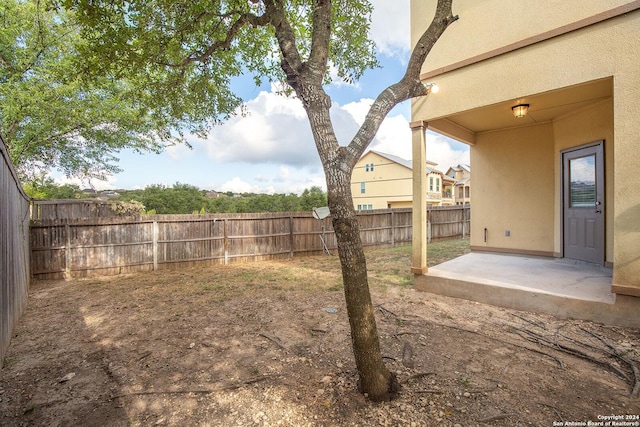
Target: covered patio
[
  {"x": 546, "y": 98},
  {"x": 560, "y": 287}
]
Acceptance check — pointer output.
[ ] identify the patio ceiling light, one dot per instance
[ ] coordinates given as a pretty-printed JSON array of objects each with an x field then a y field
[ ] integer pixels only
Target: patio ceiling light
[{"x": 520, "y": 110}]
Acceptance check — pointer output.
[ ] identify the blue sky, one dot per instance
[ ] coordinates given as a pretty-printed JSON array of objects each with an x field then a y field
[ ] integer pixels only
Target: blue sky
[{"x": 271, "y": 150}]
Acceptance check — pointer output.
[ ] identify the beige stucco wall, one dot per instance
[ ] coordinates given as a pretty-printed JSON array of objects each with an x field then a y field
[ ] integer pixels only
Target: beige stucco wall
[
  {"x": 388, "y": 183},
  {"x": 490, "y": 24},
  {"x": 608, "y": 49},
  {"x": 523, "y": 201},
  {"x": 563, "y": 61}
]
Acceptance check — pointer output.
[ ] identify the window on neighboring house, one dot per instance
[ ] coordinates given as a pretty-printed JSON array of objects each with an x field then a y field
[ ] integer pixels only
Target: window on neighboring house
[
  {"x": 367, "y": 167},
  {"x": 363, "y": 187},
  {"x": 370, "y": 207},
  {"x": 430, "y": 183},
  {"x": 359, "y": 207},
  {"x": 460, "y": 192},
  {"x": 466, "y": 192},
  {"x": 371, "y": 167},
  {"x": 438, "y": 185}
]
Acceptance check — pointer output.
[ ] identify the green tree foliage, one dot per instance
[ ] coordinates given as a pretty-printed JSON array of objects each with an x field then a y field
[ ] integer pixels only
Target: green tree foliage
[
  {"x": 313, "y": 197},
  {"x": 182, "y": 199},
  {"x": 46, "y": 188},
  {"x": 178, "y": 199},
  {"x": 51, "y": 115}
]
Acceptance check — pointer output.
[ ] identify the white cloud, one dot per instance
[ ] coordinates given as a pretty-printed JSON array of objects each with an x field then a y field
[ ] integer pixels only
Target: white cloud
[
  {"x": 444, "y": 153},
  {"x": 237, "y": 185},
  {"x": 275, "y": 130},
  {"x": 179, "y": 151},
  {"x": 394, "y": 137},
  {"x": 283, "y": 175},
  {"x": 283, "y": 180},
  {"x": 390, "y": 27},
  {"x": 96, "y": 184},
  {"x": 359, "y": 109}
]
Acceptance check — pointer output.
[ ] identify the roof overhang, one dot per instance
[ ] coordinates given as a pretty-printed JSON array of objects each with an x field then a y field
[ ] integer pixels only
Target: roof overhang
[{"x": 543, "y": 107}]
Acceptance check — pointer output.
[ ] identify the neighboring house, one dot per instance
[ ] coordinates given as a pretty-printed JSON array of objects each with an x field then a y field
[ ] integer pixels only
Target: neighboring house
[
  {"x": 561, "y": 180},
  {"x": 462, "y": 187},
  {"x": 382, "y": 181}
]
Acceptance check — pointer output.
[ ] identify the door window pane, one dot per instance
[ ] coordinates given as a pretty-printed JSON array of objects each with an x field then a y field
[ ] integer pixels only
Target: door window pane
[{"x": 582, "y": 173}]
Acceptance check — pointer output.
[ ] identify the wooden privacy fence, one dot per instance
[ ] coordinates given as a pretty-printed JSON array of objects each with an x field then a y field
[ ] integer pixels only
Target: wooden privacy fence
[
  {"x": 14, "y": 249},
  {"x": 104, "y": 246},
  {"x": 445, "y": 222}
]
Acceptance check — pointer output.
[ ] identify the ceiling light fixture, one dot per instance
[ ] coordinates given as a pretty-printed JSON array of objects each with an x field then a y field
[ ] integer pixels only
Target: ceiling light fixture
[{"x": 520, "y": 110}]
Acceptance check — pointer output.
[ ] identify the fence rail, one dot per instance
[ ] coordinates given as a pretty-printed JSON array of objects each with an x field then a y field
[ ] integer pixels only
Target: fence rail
[
  {"x": 105, "y": 246},
  {"x": 14, "y": 249}
]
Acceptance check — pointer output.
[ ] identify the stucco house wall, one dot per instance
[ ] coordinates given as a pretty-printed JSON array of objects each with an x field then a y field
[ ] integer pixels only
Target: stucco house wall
[
  {"x": 516, "y": 192},
  {"x": 499, "y": 54}
]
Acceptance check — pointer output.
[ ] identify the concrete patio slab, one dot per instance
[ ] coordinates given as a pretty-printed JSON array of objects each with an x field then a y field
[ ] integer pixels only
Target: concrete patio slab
[{"x": 560, "y": 287}]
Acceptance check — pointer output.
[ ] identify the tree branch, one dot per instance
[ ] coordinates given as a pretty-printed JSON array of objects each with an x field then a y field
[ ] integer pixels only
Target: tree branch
[
  {"x": 408, "y": 87},
  {"x": 306, "y": 78},
  {"x": 320, "y": 40},
  {"x": 231, "y": 33},
  {"x": 291, "y": 63}
]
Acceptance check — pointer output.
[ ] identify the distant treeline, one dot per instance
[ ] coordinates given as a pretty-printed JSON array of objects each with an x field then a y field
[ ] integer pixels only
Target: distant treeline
[{"x": 188, "y": 199}]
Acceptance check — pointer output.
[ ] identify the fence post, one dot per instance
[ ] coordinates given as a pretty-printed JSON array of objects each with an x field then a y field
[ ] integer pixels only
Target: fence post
[
  {"x": 226, "y": 242},
  {"x": 393, "y": 229},
  {"x": 291, "y": 234},
  {"x": 67, "y": 252},
  {"x": 464, "y": 221},
  {"x": 156, "y": 232}
]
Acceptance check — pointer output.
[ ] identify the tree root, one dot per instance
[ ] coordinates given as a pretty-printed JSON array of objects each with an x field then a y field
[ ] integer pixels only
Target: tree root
[
  {"x": 617, "y": 354},
  {"x": 524, "y": 347},
  {"x": 608, "y": 351}
]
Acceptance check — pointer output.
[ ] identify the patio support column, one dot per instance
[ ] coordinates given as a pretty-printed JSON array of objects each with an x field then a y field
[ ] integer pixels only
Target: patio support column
[{"x": 419, "y": 218}]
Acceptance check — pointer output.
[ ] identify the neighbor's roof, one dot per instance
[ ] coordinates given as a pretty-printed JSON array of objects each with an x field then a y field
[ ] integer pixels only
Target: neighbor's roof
[{"x": 460, "y": 168}]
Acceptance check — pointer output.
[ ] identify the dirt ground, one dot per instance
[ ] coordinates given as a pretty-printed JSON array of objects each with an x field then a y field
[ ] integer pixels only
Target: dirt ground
[{"x": 260, "y": 345}]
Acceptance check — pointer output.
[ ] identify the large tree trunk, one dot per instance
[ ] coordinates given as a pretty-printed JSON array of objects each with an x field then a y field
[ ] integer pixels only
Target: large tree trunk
[
  {"x": 306, "y": 78},
  {"x": 376, "y": 381}
]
